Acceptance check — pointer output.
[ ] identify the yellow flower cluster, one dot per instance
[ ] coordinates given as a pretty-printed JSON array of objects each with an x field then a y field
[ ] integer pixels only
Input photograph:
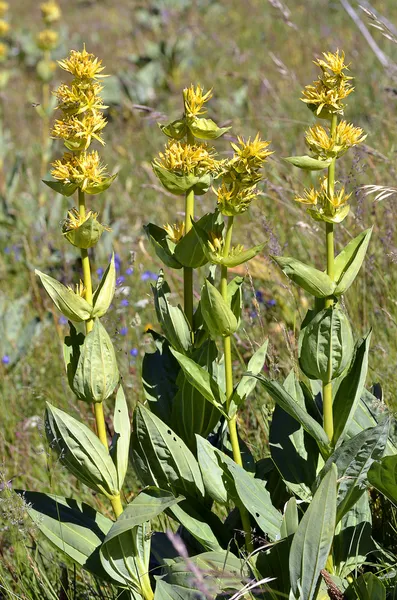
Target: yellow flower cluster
[
  {"x": 326, "y": 205},
  {"x": 325, "y": 96},
  {"x": 74, "y": 220},
  {"x": 79, "y": 289},
  {"x": 182, "y": 158},
  {"x": 81, "y": 123},
  {"x": 4, "y": 29},
  {"x": 47, "y": 40},
  {"x": 324, "y": 145},
  {"x": 241, "y": 175},
  {"x": 176, "y": 231},
  {"x": 50, "y": 12},
  {"x": 194, "y": 100}
]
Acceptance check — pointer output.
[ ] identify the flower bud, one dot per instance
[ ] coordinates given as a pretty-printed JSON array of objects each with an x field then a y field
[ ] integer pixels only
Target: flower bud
[{"x": 82, "y": 232}]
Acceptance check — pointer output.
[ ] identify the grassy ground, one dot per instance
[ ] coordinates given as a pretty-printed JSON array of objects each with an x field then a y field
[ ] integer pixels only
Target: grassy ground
[{"x": 257, "y": 56}]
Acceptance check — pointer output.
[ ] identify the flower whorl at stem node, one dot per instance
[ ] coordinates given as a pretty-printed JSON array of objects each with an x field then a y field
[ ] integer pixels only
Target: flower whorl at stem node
[
  {"x": 50, "y": 12},
  {"x": 324, "y": 145},
  {"x": 182, "y": 158}
]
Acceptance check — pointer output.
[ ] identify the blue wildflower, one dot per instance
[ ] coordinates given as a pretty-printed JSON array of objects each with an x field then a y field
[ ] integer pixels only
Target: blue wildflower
[
  {"x": 123, "y": 331},
  {"x": 134, "y": 352},
  {"x": 271, "y": 302},
  {"x": 62, "y": 320},
  {"x": 259, "y": 296},
  {"x": 6, "y": 359},
  {"x": 99, "y": 272},
  {"x": 124, "y": 302},
  {"x": 129, "y": 271},
  {"x": 146, "y": 275},
  {"x": 120, "y": 280}
]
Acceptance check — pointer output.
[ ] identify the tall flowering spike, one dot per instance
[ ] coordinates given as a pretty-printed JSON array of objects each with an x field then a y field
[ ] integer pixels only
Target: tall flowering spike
[
  {"x": 81, "y": 123},
  {"x": 326, "y": 95}
]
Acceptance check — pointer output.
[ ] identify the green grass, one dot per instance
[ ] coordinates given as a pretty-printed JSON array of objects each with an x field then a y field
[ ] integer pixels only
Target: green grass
[{"x": 257, "y": 64}]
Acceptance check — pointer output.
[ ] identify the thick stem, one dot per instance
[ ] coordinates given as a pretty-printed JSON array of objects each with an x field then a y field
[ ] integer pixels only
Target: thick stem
[
  {"x": 328, "y": 418},
  {"x": 232, "y": 423},
  {"x": 188, "y": 271}
]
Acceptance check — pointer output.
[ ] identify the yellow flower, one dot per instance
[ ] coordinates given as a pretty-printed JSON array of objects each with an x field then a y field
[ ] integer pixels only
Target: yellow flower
[
  {"x": 47, "y": 39},
  {"x": 194, "y": 99},
  {"x": 81, "y": 169},
  {"x": 249, "y": 156},
  {"x": 50, "y": 11},
  {"x": 3, "y": 8},
  {"x": 77, "y": 98},
  {"x": 82, "y": 65},
  {"x": 215, "y": 242},
  {"x": 79, "y": 289},
  {"x": 3, "y": 51},
  {"x": 4, "y": 28},
  {"x": 74, "y": 220},
  {"x": 309, "y": 197},
  {"x": 234, "y": 199},
  {"x": 325, "y": 96},
  {"x": 176, "y": 231},
  {"x": 182, "y": 158},
  {"x": 330, "y": 206},
  {"x": 78, "y": 132},
  {"x": 323, "y": 145}
]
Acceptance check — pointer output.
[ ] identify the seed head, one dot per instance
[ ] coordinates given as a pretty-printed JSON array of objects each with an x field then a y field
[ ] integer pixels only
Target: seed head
[
  {"x": 47, "y": 39},
  {"x": 194, "y": 99},
  {"x": 82, "y": 169},
  {"x": 82, "y": 65},
  {"x": 50, "y": 11},
  {"x": 183, "y": 159},
  {"x": 176, "y": 231}
]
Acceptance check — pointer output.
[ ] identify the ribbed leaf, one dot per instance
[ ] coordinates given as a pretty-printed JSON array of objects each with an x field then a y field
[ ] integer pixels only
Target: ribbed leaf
[
  {"x": 213, "y": 474},
  {"x": 383, "y": 476},
  {"x": 119, "y": 450},
  {"x": 310, "y": 279},
  {"x": 197, "y": 523},
  {"x": 166, "y": 591},
  {"x": 171, "y": 318},
  {"x": 349, "y": 261},
  {"x": 71, "y": 305},
  {"x": 104, "y": 293}
]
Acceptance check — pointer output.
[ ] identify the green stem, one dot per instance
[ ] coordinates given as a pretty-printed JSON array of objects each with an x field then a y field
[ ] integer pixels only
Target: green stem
[
  {"x": 188, "y": 271},
  {"x": 232, "y": 423},
  {"x": 328, "y": 418}
]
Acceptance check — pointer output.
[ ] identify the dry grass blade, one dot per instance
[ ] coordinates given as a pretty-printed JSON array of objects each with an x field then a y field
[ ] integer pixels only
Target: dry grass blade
[
  {"x": 382, "y": 192},
  {"x": 379, "y": 23}
]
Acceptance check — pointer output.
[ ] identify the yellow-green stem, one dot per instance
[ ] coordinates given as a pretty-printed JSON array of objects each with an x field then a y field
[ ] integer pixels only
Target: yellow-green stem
[
  {"x": 232, "y": 423},
  {"x": 328, "y": 418},
  {"x": 188, "y": 271}
]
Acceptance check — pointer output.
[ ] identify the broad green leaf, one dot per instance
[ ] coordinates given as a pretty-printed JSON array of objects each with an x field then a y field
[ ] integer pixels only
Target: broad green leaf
[
  {"x": 235, "y": 297},
  {"x": 290, "y": 521},
  {"x": 234, "y": 260},
  {"x": 312, "y": 541},
  {"x": 162, "y": 458},
  {"x": 159, "y": 374},
  {"x": 97, "y": 374},
  {"x": 75, "y": 528},
  {"x": 349, "y": 261},
  {"x": 217, "y": 314},
  {"x": 125, "y": 557},
  {"x": 81, "y": 451},
  {"x": 312, "y": 280},
  {"x": 349, "y": 392},
  {"x": 308, "y": 163},
  {"x": 187, "y": 251},
  {"x": 247, "y": 384},
  {"x": 366, "y": 587},
  {"x": 171, "y": 318},
  {"x": 206, "y": 129},
  {"x": 180, "y": 184},
  {"x": 287, "y": 403},
  {"x": 256, "y": 499},
  {"x": 327, "y": 337},
  {"x": 353, "y": 460},
  {"x": 197, "y": 523},
  {"x": 119, "y": 450},
  {"x": 104, "y": 293},
  {"x": 65, "y": 189},
  {"x": 71, "y": 305},
  {"x": 202, "y": 381},
  {"x": 213, "y": 474},
  {"x": 147, "y": 505},
  {"x": 383, "y": 476},
  {"x": 293, "y": 450},
  {"x": 163, "y": 245},
  {"x": 166, "y": 591},
  {"x": 353, "y": 539},
  {"x": 174, "y": 129},
  {"x": 191, "y": 412},
  {"x": 98, "y": 188}
]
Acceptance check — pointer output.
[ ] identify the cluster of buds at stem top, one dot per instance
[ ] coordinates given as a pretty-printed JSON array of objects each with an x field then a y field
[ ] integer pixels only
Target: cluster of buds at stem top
[
  {"x": 81, "y": 123},
  {"x": 241, "y": 174},
  {"x": 4, "y": 30},
  {"x": 329, "y": 202},
  {"x": 47, "y": 40}
]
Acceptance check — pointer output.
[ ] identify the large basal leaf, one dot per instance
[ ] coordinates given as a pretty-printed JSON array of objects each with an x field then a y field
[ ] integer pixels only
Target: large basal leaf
[
  {"x": 312, "y": 280},
  {"x": 81, "y": 451},
  {"x": 366, "y": 587},
  {"x": 159, "y": 373},
  {"x": 247, "y": 384},
  {"x": 383, "y": 476},
  {"x": 166, "y": 591},
  {"x": 171, "y": 318},
  {"x": 312, "y": 541},
  {"x": 73, "y": 527},
  {"x": 120, "y": 447},
  {"x": 349, "y": 261},
  {"x": 353, "y": 460},
  {"x": 293, "y": 450},
  {"x": 213, "y": 474},
  {"x": 353, "y": 540},
  {"x": 197, "y": 523},
  {"x": 287, "y": 403},
  {"x": 162, "y": 458},
  {"x": 349, "y": 391}
]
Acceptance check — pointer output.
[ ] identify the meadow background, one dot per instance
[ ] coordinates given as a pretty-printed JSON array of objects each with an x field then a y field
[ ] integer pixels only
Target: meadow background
[{"x": 257, "y": 55}]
